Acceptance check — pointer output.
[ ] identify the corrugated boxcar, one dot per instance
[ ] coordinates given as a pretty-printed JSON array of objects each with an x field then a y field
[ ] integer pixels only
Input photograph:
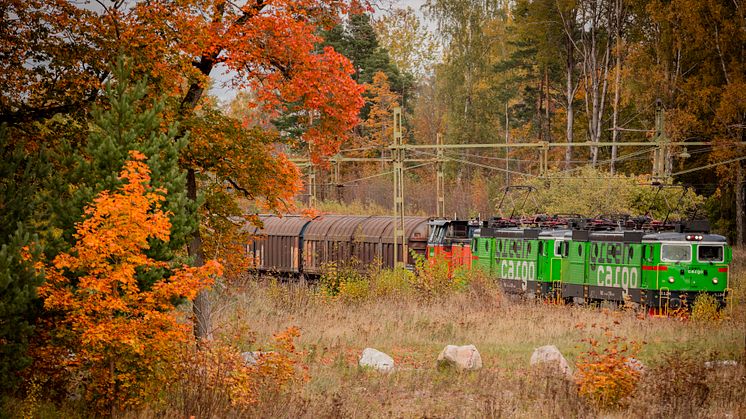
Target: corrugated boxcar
[{"x": 293, "y": 244}]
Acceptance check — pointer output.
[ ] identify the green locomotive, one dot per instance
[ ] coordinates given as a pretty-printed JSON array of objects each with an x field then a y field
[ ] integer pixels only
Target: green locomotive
[{"x": 653, "y": 269}]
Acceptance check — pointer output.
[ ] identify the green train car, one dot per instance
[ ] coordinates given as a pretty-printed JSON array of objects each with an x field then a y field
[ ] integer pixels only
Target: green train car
[{"x": 666, "y": 269}]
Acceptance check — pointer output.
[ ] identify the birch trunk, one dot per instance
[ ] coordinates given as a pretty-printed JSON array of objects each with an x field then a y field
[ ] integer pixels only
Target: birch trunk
[{"x": 618, "y": 12}]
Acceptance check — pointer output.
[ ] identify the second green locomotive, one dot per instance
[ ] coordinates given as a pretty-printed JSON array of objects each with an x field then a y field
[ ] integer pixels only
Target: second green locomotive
[{"x": 653, "y": 269}]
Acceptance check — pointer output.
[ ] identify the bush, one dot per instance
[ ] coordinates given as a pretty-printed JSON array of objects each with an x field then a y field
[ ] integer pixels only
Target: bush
[
  {"x": 433, "y": 278},
  {"x": 334, "y": 275},
  {"x": 605, "y": 377},
  {"x": 391, "y": 282},
  {"x": 676, "y": 387},
  {"x": 706, "y": 308},
  {"x": 354, "y": 291},
  {"x": 213, "y": 380}
]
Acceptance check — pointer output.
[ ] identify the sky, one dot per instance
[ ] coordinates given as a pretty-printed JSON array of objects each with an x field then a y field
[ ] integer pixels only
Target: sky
[{"x": 226, "y": 93}]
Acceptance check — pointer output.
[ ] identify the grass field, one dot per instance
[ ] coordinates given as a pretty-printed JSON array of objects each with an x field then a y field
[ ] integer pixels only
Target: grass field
[
  {"x": 413, "y": 331},
  {"x": 412, "y": 322}
]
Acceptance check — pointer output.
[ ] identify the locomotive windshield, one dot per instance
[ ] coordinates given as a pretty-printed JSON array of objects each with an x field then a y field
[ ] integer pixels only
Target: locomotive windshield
[
  {"x": 437, "y": 234},
  {"x": 710, "y": 253},
  {"x": 676, "y": 252}
]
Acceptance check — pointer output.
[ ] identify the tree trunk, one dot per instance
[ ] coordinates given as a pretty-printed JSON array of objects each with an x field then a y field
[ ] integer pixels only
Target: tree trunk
[
  {"x": 739, "y": 205},
  {"x": 201, "y": 304},
  {"x": 547, "y": 113},
  {"x": 569, "y": 95},
  {"x": 617, "y": 82}
]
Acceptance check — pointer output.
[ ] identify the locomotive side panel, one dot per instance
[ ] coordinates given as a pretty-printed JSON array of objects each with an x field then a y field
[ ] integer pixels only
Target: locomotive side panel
[{"x": 516, "y": 261}]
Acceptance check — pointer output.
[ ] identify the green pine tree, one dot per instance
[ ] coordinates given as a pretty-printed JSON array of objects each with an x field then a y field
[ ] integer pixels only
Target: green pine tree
[
  {"x": 130, "y": 122},
  {"x": 23, "y": 176}
]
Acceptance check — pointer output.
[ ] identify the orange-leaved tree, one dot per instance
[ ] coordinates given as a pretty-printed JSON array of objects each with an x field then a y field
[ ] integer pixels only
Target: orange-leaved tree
[
  {"x": 59, "y": 54},
  {"x": 380, "y": 124},
  {"x": 118, "y": 339}
]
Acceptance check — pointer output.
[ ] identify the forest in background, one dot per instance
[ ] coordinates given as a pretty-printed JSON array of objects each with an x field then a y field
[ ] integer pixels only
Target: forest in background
[{"x": 555, "y": 71}]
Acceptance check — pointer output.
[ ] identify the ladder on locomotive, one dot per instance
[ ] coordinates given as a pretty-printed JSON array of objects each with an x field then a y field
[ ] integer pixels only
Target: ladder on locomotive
[{"x": 664, "y": 295}]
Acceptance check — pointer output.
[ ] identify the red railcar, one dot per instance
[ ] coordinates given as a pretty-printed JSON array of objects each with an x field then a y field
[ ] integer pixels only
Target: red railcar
[{"x": 450, "y": 240}]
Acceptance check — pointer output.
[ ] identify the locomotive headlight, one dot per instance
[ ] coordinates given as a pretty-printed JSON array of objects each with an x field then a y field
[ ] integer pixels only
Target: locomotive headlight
[
  {"x": 670, "y": 279},
  {"x": 714, "y": 280}
]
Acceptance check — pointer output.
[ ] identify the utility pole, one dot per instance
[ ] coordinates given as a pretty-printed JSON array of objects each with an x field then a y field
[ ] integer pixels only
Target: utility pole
[
  {"x": 440, "y": 205},
  {"x": 507, "y": 149},
  {"x": 311, "y": 184},
  {"x": 398, "y": 156},
  {"x": 337, "y": 184},
  {"x": 544, "y": 169}
]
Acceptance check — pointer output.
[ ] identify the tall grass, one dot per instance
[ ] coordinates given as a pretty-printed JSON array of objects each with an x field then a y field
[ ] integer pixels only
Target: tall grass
[{"x": 413, "y": 315}]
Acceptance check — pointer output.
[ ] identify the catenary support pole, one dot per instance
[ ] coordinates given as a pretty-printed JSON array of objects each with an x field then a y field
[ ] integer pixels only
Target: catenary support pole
[
  {"x": 440, "y": 209},
  {"x": 398, "y": 156}
]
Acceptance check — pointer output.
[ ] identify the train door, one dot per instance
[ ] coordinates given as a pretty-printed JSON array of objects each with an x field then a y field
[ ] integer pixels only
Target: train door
[{"x": 555, "y": 261}]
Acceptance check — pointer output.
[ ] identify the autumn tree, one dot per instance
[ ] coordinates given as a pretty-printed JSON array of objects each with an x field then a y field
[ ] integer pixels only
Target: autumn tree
[
  {"x": 591, "y": 192},
  {"x": 379, "y": 124},
  {"x": 120, "y": 335},
  {"x": 473, "y": 37},
  {"x": 126, "y": 120},
  {"x": 358, "y": 40},
  {"x": 62, "y": 51},
  {"x": 409, "y": 44}
]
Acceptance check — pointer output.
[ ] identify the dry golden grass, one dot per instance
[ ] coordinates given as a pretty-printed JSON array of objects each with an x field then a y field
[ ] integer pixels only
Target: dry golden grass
[
  {"x": 413, "y": 331},
  {"x": 413, "y": 327}
]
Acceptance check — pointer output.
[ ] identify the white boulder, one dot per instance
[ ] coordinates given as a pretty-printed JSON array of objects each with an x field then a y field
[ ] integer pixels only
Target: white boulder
[
  {"x": 729, "y": 363},
  {"x": 251, "y": 358},
  {"x": 635, "y": 365},
  {"x": 551, "y": 356},
  {"x": 463, "y": 358},
  {"x": 376, "y": 359}
]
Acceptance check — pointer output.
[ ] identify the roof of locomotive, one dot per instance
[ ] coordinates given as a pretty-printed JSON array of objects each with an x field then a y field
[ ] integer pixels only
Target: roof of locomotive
[
  {"x": 550, "y": 234},
  {"x": 519, "y": 233},
  {"x": 682, "y": 237}
]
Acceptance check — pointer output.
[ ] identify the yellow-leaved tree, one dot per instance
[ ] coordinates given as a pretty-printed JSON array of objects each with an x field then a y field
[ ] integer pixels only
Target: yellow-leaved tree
[
  {"x": 382, "y": 100},
  {"x": 118, "y": 340}
]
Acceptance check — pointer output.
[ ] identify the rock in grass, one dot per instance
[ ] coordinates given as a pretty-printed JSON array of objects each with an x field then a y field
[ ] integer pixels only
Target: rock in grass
[
  {"x": 550, "y": 356},
  {"x": 252, "y": 358},
  {"x": 377, "y": 360},
  {"x": 721, "y": 364},
  {"x": 248, "y": 358},
  {"x": 635, "y": 365},
  {"x": 463, "y": 358}
]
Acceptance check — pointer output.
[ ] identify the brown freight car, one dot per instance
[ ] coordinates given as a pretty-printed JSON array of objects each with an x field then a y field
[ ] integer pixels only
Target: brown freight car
[{"x": 296, "y": 245}]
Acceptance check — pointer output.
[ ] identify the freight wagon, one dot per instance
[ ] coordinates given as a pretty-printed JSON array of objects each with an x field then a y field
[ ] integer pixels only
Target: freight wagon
[{"x": 299, "y": 246}]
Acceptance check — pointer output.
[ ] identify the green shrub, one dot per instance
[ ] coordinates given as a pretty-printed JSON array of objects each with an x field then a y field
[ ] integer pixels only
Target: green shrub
[
  {"x": 706, "y": 308},
  {"x": 433, "y": 278},
  {"x": 391, "y": 282},
  {"x": 334, "y": 274},
  {"x": 354, "y": 291}
]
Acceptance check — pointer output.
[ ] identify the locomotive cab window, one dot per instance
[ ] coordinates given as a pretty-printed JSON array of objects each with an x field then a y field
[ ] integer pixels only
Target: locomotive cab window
[
  {"x": 676, "y": 252},
  {"x": 437, "y": 235},
  {"x": 710, "y": 253}
]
